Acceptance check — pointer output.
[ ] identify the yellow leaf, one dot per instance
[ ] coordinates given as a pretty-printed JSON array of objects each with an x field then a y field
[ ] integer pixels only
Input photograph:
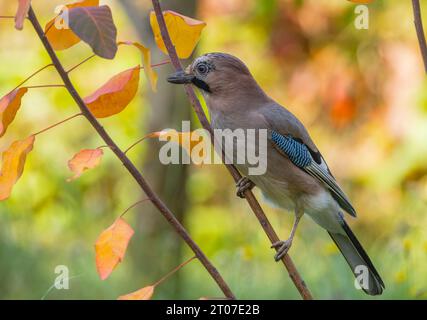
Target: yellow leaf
[
  {"x": 13, "y": 164},
  {"x": 142, "y": 294},
  {"x": 115, "y": 94},
  {"x": 187, "y": 140},
  {"x": 9, "y": 106},
  {"x": 63, "y": 37},
  {"x": 148, "y": 70},
  {"x": 183, "y": 31},
  {"x": 111, "y": 245},
  {"x": 84, "y": 160}
]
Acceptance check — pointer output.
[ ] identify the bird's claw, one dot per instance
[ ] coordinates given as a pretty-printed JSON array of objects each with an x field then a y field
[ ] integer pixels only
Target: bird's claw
[
  {"x": 282, "y": 248},
  {"x": 242, "y": 185}
]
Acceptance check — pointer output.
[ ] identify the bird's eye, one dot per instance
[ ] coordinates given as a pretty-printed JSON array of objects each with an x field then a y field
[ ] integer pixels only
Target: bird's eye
[{"x": 202, "y": 68}]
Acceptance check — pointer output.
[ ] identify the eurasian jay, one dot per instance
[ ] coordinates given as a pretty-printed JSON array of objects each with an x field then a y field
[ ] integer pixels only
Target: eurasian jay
[{"x": 297, "y": 177}]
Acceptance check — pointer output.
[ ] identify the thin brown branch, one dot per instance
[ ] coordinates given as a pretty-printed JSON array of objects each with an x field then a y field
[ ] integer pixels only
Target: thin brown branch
[
  {"x": 154, "y": 198},
  {"x": 420, "y": 31},
  {"x": 133, "y": 205},
  {"x": 173, "y": 271},
  {"x": 158, "y": 64},
  {"x": 46, "y": 86},
  {"x": 80, "y": 63},
  {"x": 134, "y": 144},
  {"x": 253, "y": 202},
  {"x": 33, "y": 74},
  {"x": 57, "y": 124}
]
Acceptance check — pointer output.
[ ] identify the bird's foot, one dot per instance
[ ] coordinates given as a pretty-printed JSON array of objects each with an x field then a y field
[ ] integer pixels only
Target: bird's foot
[
  {"x": 242, "y": 185},
  {"x": 282, "y": 248}
]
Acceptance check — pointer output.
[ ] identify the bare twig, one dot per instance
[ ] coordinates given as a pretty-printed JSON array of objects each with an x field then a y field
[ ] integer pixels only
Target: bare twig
[
  {"x": 158, "y": 64},
  {"x": 135, "y": 143},
  {"x": 173, "y": 271},
  {"x": 33, "y": 74},
  {"x": 46, "y": 86},
  {"x": 132, "y": 206},
  {"x": 80, "y": 63},
  {"x": 420, "y": 31},
  {"x": 58, "y": 123},
  {"x": 157, "y": 202},
  {"x": 256, "y": 208}
]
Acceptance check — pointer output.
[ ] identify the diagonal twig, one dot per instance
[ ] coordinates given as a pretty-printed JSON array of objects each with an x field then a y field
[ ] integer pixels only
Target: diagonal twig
[
  {"x": 249, "y": 196},
  {"x": 154, "y": 198},
  {"x": 420, "y": 31}
]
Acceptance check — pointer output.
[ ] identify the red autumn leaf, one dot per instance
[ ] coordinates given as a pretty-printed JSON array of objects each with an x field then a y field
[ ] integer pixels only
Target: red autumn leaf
[
  {"x": 13, "y": 164},
  {"x": 9, "y": 106},
  {"x": 58, "y": 33},
  {"x": 84, "y": 160},
  {"x": 95, "y": 26},
  {"x": 21, "y": 13},
  {"x": 111, "y": 245},
  {"x": 142, "y": 294},
  {"x": 115, "y": 94}
]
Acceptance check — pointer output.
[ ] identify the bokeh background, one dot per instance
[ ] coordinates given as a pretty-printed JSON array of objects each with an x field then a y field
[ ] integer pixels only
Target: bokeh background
[{"x": 361, "y": 93}]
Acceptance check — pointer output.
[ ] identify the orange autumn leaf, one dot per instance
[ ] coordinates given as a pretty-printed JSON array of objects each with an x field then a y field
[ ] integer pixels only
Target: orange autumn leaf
[
  {"x": 142, "y": 294},
  {"x": 84, "y": 160},
  {"x": 9, "y": 106},
  {"x": 184, "y": 32},
  {"x": 13, "y": 164},
  {"x": 148, "y": 70},
  {"x": 21, "y": 13},
  {"x": 60, "y": 36},
  {"x": 111, "y": 245},
  {"x": 115, "y": 94}
]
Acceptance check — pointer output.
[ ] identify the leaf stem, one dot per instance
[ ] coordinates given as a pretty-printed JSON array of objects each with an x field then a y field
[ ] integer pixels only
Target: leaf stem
[
  {"x": 170, "y": 273},
  {"x": 46, "y": 86},
  {"x": 420, "y": 31},
  {"x": 158, "y": 64},
  {"x": 57, "y": 124},
  {"x": 105, "y": 146},
  {"x": 33, "y": 74},
  {"x": 133, "y": 206},
  {"x": 80, "y": 63},
  {"x": 134, "y": 144},
  {"x": 7, "y": 17}
]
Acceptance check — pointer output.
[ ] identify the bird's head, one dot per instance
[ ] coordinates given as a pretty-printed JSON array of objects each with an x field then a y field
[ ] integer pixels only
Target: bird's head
[{"x": 216, "y": 74}]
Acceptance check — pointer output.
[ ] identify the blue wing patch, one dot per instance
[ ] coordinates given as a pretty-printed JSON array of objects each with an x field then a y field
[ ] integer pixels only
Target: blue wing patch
[{"x": 297, "y": 152}]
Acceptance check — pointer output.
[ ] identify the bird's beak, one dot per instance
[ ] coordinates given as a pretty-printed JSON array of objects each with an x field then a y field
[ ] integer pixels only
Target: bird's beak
[{"x": 180, "y": 77}]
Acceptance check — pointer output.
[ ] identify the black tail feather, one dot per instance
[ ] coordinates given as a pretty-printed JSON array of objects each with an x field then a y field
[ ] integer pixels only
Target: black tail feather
[{"x": 355, "y": 255}]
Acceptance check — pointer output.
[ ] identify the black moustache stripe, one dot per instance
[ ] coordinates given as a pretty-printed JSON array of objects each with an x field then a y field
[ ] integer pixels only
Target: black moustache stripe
[{"x": 201, "y": 84}]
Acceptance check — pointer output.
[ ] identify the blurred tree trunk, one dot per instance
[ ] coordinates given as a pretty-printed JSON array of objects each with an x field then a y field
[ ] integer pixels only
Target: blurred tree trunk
[{"x": 160, "y": 248}]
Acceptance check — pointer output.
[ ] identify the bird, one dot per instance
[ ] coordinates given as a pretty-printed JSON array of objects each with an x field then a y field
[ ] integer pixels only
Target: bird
[{"x": 297, "y": 177}]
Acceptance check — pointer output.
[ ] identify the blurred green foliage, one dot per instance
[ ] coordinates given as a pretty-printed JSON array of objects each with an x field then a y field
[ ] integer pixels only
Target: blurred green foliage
[{"x": 361, "y": 93}]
